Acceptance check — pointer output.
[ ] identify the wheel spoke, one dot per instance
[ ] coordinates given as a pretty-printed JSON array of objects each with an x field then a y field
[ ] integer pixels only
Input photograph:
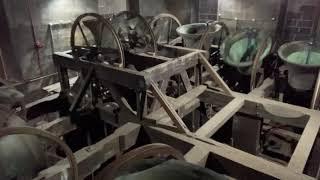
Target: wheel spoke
[{"x": 84, "y": 36}]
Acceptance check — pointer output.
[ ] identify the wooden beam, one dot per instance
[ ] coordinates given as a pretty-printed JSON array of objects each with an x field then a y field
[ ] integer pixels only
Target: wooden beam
[
  {"x": 217, "y": 121},
  {"x": 282, "y": 115},
  {"x": 169, "y": 109},
  {"x": 264, "y": 89},
  {"x": 283, "y": 133},
  {"x": 120, "y": 76},
  {"x": 301, "y": 154},
  {"x": 260, "y": 107},
  {"x": 186, "y": 80},
  {"x": 163, "y": 87},
  {"x": 89, "y": 159},
  {"x": 57, "y": 87},
  {"x": 59, "y": 127},
  {"x": 237, "y": 156},
  {"x": 215, "y": 76},
  {"x": 178, "y": 103},
  {"x": 185, "y": 49},
  {"x": 173, "y": 67},
  {"x": 182, "y": 111},
  {"x": 198, "y": 156}
]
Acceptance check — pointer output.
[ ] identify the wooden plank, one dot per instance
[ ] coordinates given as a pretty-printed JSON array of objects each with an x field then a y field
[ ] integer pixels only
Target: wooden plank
[
  {"x": 48, "y": 98},
  {"x": 174, "y": 67},
  {"x": 169, "y": 109},
  {"x": 304, "y": 147},
  {"x": 186, "y": 80},
  {"x": 56, "y": 87},
  {"x": 91, "y": 158},
  {"x": 215, "y": 76},
  {"x": 282, "y": 115},
  {"x": 185, "y": 49},
  {"x": 176, "y": 41},
  {"x": 177, "y": 103},
  {"x": 237, "y": 156},
  {"x": 59, "y": 127},
  {"x": 283, "y": 133},
  {"x": 182, "y": 111},
  {"x": 270, "y": 102},
  {"x": 217, "y": 121},
  {"x": 264, "y": 89},
  {"x": 163, "y": 87},
  {"x": 198, "y": 156},
  {"x": 125, "y": 77},
  {"x": 255, "y": 105}
]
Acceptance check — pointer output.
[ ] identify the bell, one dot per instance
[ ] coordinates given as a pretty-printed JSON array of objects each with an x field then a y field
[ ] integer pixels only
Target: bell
[
  {"x": 239, "y": 50},
  {"x": 192, "y": 34},
  {"x": 303, "y": 62}
]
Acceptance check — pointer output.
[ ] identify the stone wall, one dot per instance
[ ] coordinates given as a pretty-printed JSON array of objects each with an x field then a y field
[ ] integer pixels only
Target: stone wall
[
  {"x": 298, "y": 24},
  {"x": 20, "y": 55},
  {"x": 300, "y": 19},
  {"x": 185, "y": 10},
  {"x": 17, "y": 43},
  {"x": 208, "y": 10},
  {"x": 112, "y": 6}
]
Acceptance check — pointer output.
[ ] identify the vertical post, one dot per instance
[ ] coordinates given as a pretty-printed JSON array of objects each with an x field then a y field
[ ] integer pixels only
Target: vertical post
[
  {"x": 140, "y": 103},
  {"x": 3, "y": 68},
  {"x": 246, "y": 132},
  {"x": 63, "y": 78},
  {"x": 316, "y": 94},
  {"x": 133, "y": 6}
]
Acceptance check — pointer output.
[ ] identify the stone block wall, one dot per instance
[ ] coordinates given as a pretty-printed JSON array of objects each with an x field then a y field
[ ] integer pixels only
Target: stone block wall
[
  {"x": 17, "y": 43},
  {"x": 300, "y": 19},
  {"x": 20, "y": 54},
  {"x": 185, "y": 10},
  {"x": 208, "y": 10}
]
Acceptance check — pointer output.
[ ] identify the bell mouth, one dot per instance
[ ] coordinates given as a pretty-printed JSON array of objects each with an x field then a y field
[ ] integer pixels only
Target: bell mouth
[
  {"x": 196, "y": 29},
  {"x": 301, "y": 54},
  {"x": 240, "y": 49}
]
